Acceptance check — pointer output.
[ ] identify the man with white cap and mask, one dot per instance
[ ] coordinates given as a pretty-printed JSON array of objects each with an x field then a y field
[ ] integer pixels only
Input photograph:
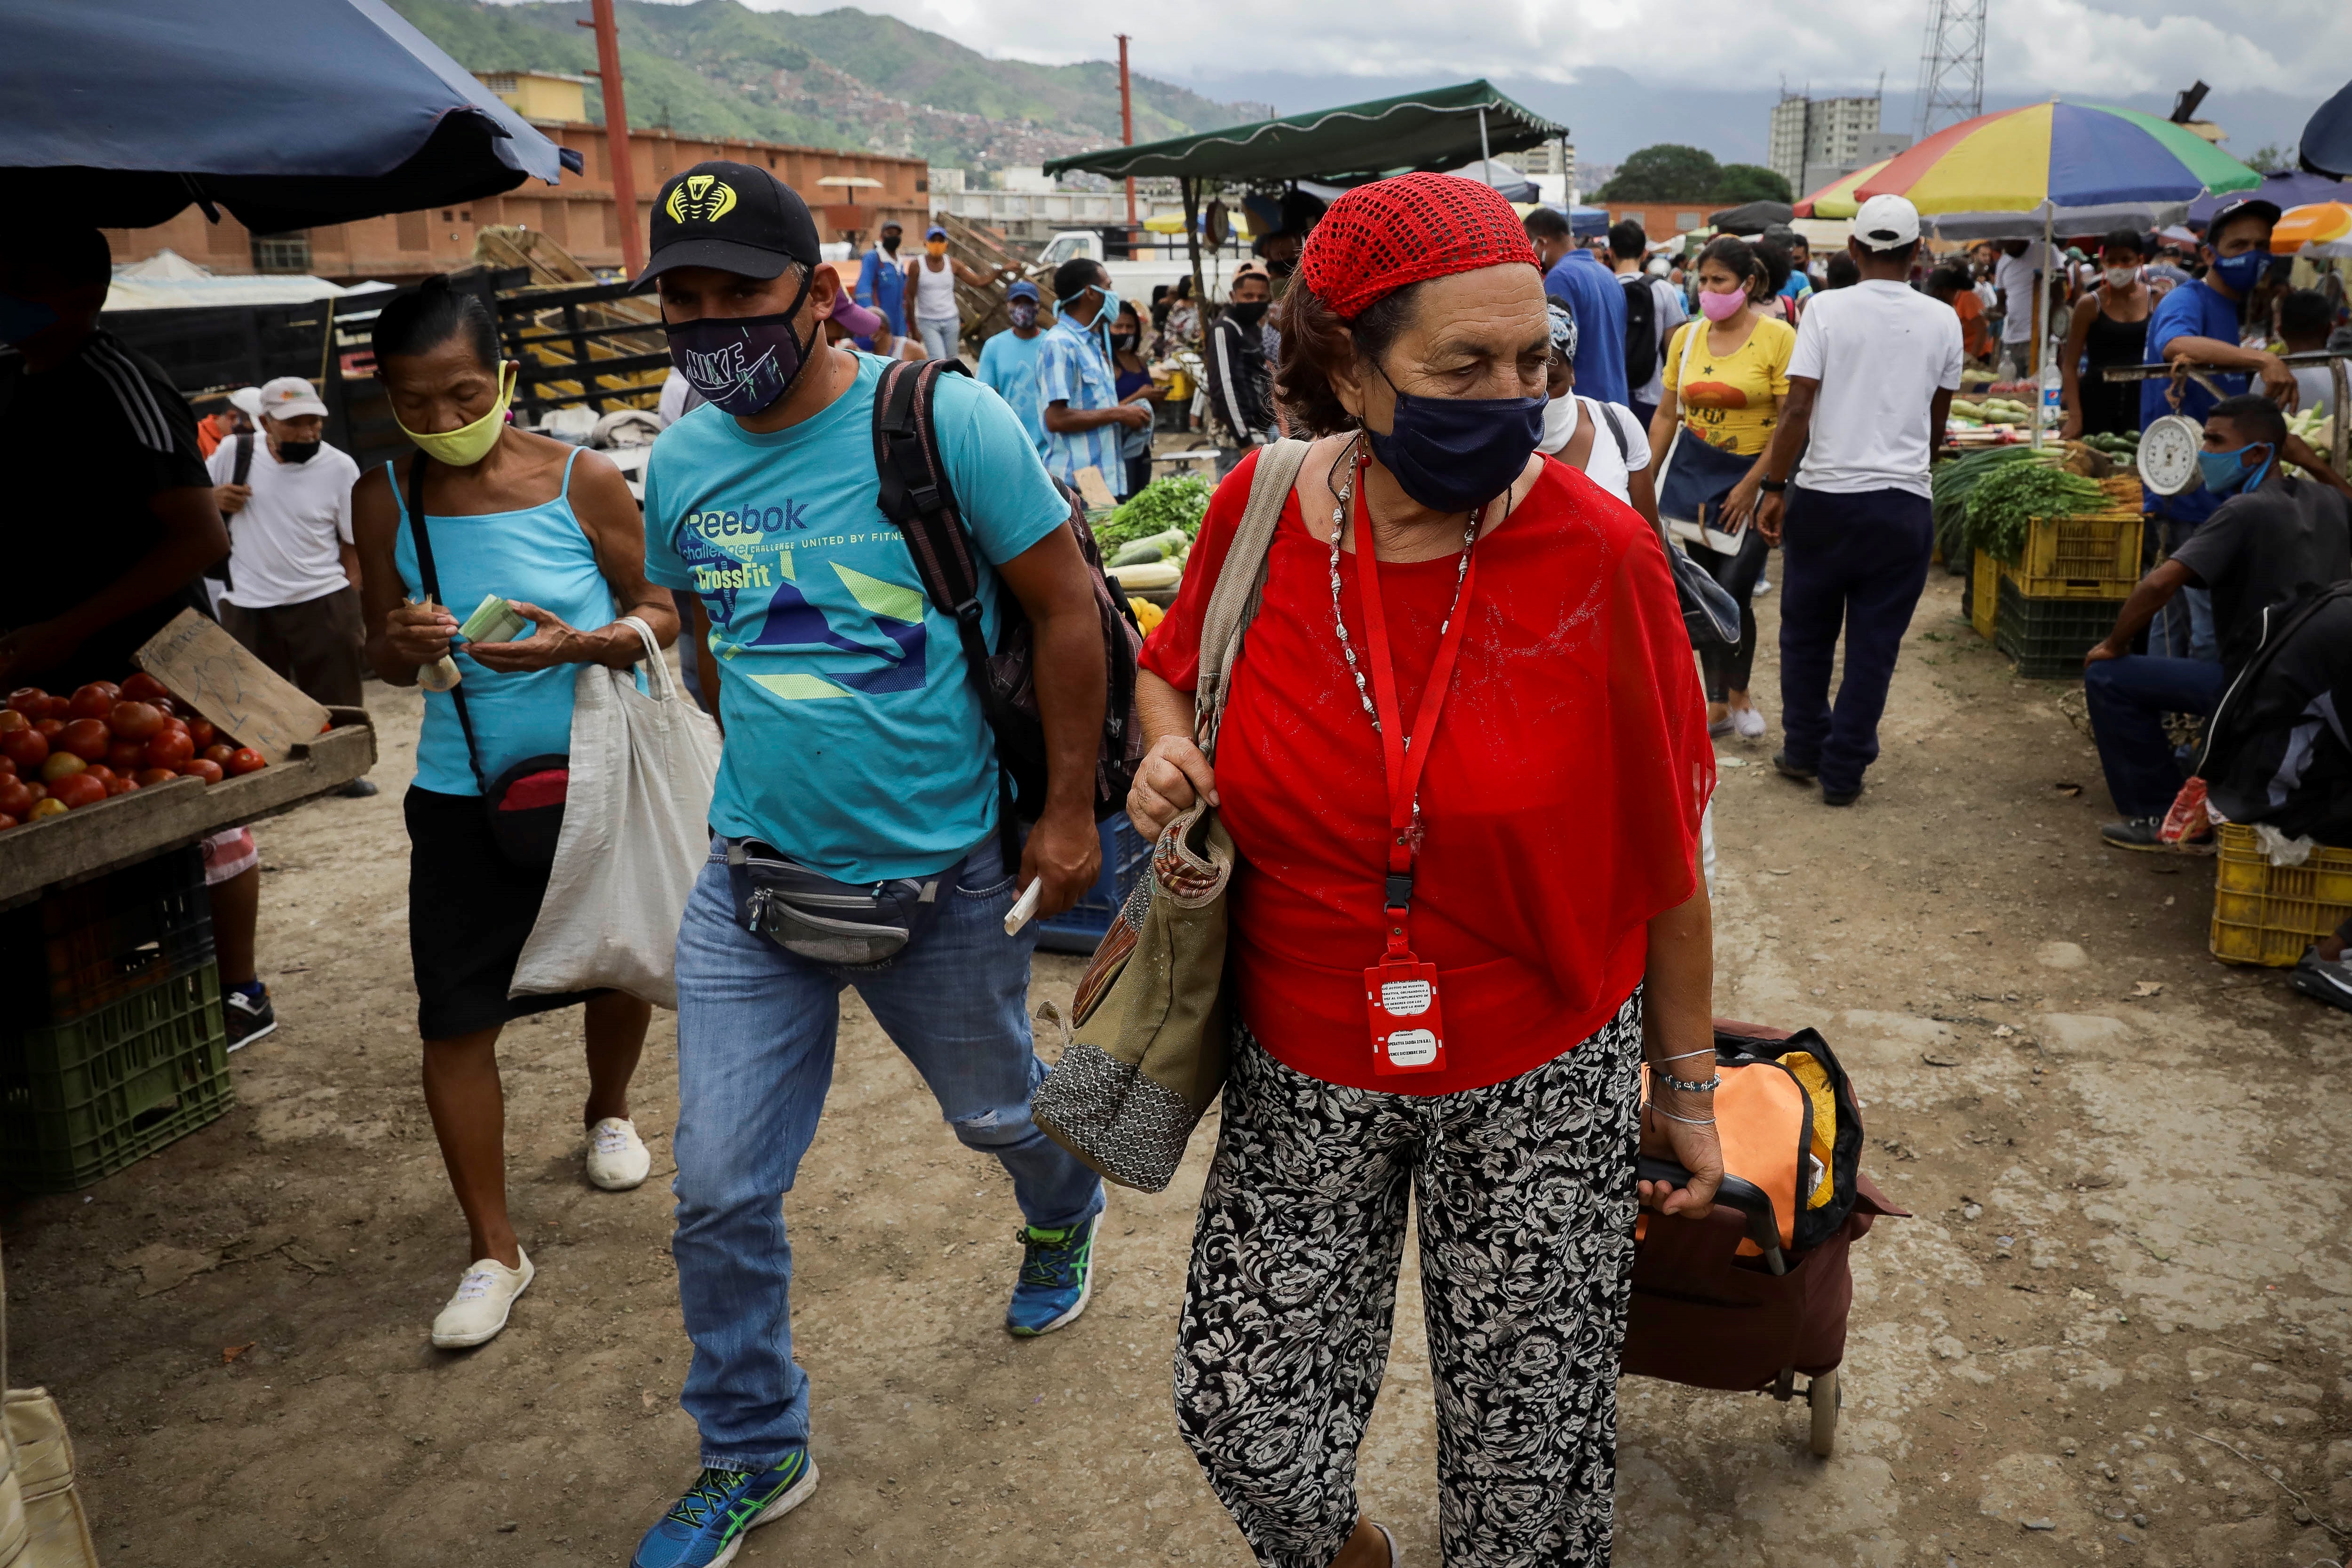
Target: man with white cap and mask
[
  {"x": 293, "y": 573},
  {"x": 1870, "y": 383}
]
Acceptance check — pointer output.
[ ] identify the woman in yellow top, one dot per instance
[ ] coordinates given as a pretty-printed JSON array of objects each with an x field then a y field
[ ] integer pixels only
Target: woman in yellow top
[{"x": 1727, "y": 372}]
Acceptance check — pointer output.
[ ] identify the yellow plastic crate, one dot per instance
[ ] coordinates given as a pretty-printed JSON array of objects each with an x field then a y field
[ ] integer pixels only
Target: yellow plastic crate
[
  {"x": 2268, "y": 914},
  {"x": 1984, "y": 595},
  {"x": 2091, "y": 557}
]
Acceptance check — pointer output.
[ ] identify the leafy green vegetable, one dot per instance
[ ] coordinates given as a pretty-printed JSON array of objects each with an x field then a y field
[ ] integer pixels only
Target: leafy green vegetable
[
  {"x": 2001, "y": 506},
  {"x": 1953, "y": 483},
  {"x": 1178, "y": 502}
]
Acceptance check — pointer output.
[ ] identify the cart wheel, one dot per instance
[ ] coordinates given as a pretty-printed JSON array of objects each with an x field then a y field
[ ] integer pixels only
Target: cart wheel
[{"x": 1824, "y": 1395}]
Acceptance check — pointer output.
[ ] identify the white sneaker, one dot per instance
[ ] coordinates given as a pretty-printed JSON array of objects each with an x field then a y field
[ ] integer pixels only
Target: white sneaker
[
  {"x": 1763, "y": 586},
  {"x": 485, "y": 1296},
  {"x": 617, "y": 1160},
  {"x": 1749, "y": 723}
]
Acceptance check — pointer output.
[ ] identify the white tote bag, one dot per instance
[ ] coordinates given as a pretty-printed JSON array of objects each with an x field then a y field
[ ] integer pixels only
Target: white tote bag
[{"x": 634, "y": 837}]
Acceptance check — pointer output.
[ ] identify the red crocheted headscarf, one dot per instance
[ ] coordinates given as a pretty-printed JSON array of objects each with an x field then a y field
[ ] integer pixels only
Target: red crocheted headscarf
[{"x": 1379, "y": 237}]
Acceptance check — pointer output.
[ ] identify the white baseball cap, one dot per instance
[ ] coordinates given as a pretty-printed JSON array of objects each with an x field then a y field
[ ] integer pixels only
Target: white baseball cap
[
  {"x": 1885, "y": 223},
  {"x": 246, "y": 400},
  {"x": 291, "y": 397}
]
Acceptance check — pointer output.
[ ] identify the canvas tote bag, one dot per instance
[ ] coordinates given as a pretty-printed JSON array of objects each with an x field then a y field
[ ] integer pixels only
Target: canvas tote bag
[{"x": 1147, "y": 1054}]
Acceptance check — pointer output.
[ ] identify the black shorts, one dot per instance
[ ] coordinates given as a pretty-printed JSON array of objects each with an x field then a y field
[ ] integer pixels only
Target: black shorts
[{"x": 469, "y": 911}]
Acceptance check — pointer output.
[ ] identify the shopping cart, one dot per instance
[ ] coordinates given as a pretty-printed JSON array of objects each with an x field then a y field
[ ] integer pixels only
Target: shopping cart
[{"x": 1756, "y": 1294}]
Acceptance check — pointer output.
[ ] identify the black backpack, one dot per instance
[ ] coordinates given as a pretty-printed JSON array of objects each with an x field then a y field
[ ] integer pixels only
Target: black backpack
[
  {"x": 917, "y": 496},
  {"x": 1642, "y": 346},
  {"x": 240, "y": 470}
]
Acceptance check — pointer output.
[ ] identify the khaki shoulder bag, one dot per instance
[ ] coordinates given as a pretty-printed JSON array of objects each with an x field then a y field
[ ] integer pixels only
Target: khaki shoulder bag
[{"x": 1147, "y": 1054}]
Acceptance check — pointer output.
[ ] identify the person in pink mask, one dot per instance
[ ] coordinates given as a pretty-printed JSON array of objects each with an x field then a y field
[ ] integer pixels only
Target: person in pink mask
[{"x": 1727, "y": 372}]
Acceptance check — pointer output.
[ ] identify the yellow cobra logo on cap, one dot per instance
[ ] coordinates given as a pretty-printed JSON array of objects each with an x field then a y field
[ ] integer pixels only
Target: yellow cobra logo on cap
[{"x": 704, "y": 196}]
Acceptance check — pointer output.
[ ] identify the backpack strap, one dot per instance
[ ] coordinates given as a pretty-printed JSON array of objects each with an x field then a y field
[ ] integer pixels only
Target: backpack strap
[
  {"x": 1240, "y": 587},
  {"x": 916, "y": 497},
  {"x": 244, "y": 460},
  {"x": 1608, "y": 412}
]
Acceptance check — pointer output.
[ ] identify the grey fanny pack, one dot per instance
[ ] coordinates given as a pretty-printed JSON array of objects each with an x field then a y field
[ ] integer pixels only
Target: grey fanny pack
[{"x": 811, "y": 916}]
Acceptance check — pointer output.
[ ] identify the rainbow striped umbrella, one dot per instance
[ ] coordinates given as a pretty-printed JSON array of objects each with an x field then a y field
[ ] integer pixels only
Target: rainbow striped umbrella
[
  {"x": 2075, "y": 166},
  {"x": 1836, "y": 199}
]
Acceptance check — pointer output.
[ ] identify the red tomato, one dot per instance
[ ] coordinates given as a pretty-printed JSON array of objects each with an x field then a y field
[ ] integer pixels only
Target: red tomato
[
  {"x": 40, "y": 791},
  {"x": 27, "y": 748},
  {"x": 50, "y": 729},
  {"x": 164, "y": 705},
  {"x": 48, "y": 805},
  {"x": 8, "y": 768},
  {"x": 101, "y": 772},
  {"x": 7, "y": 822},
  {"x": 155, "y": 775},
  {"x": 94, "y": 701},
  {"x": 127, "y": 756},
  {"x": 170, "y": 749},
  {"x": 143, "y": 688},
  {"x": 78, "y": 791},
  {"x": 134, "y": 720},
  {"x": 115, "y": 786},
  {"x": 246, "y": 760},
  {"x": 58, "y": 708},
  {"x": 201, "y": 768},
  {"x": 60, "y": 765},
  {"x": 201, "y": 732},
  {"x": 29, "y": 700},
  {"x": 10, "y": 720},
  {"x": 16, "y": 799},
  {"x": 219, "y": 752},
  {"x": 86, "y": 739}
]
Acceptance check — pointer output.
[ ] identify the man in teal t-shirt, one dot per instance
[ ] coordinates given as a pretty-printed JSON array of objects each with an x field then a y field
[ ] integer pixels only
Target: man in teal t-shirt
[
  {"x": 1008, "y": 362},
  {"x": 856, "y": 751}
]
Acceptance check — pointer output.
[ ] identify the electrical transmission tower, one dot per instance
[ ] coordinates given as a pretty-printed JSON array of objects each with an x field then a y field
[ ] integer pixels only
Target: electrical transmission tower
[{"x": 1951, "y": 65}]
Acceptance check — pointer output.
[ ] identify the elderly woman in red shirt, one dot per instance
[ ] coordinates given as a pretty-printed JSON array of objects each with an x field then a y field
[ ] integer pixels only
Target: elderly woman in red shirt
[{"x": 1476, "y": 642}]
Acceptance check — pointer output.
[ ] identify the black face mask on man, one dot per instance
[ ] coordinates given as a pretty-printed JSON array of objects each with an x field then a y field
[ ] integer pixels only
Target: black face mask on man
[
  {"x": 743, "y": 364},
  {"x": 1248, "y": 312},
  {"x": 297, "y": 451}
]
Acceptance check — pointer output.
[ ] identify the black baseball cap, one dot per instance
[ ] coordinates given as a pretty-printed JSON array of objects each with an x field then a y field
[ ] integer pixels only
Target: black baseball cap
[
  {"x": 2244, "y": 206},
  {"x": 734, "y": 217}
]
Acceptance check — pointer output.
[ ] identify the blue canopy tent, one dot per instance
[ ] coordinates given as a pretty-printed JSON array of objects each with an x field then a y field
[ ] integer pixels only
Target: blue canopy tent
[
  {"x": 2288, "y": 190},
  {"x": 289, "y": 113}
]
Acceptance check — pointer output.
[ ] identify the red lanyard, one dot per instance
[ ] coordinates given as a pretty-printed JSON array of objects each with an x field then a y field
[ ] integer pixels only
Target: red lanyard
[{"x": 1401, "y": 761}]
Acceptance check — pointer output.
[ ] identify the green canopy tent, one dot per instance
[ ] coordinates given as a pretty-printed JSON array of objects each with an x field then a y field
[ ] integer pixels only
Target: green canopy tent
[{"x": 1444, "y": 127}]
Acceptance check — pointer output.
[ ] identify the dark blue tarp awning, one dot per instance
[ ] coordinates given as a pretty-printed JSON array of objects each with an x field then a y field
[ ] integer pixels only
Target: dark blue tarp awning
[{"x": 290, "y": 113}]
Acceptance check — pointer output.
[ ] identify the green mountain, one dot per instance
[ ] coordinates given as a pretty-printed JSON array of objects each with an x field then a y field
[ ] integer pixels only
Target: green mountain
[{"x": 841, "y": 79}]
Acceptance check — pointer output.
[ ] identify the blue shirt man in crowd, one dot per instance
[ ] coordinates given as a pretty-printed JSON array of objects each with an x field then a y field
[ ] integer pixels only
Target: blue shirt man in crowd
[
  {"x": 1008, "y": 362},
  {"x": 1597, "y": 300},
  {"x": 859, "y": 767},
  {"x": 1083, "y": 418},
  {"x": 882, "y": 282}
]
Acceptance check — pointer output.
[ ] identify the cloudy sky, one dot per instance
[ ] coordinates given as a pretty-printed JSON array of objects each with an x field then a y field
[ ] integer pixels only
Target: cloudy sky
[{"x": 2270, "y": 64}]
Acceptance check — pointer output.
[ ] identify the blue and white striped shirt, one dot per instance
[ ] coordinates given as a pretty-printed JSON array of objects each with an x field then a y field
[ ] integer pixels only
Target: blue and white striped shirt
[{"x": 1073, "y": 369}]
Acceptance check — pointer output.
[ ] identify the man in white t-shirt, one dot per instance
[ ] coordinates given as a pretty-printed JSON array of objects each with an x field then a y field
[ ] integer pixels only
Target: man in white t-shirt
[
  {"x": 2017, "y": 277},
  {"x": 1870, "y": 383},
  {"x": 293, "y": 573}
]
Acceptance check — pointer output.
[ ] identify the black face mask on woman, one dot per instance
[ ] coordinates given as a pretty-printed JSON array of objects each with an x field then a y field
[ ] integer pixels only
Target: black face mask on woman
[{"x": 1451, "y": 453}]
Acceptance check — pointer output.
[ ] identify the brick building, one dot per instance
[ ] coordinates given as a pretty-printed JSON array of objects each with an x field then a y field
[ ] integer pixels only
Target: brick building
[{"x": 578, "y": 215}]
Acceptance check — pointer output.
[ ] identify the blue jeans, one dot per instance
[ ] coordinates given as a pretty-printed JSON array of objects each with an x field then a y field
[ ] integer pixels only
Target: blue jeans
[
  {"x": 1857, "y": 562},
  {"x": 2126, "y": 698},
  {"x": 755, "y": 1038},
  {"x": 939, "y": 335}
]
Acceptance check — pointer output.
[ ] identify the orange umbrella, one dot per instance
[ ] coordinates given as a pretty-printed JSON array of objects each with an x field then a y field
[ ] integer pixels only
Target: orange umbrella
[{"x": 2323, "y": 228}]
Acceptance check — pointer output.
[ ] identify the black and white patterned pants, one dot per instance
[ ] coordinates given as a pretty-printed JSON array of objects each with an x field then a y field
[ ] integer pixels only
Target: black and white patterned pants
[{"x": 1526, "y": 1211}]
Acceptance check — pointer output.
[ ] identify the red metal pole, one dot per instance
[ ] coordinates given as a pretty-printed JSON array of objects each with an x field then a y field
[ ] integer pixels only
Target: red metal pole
[
  {"x": 616, "y": 134},
  {"x": 1126, "y": 130}
]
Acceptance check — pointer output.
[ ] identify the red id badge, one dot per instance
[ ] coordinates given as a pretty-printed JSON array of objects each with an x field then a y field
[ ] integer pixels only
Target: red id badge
[{"x": 1408, "y": 1028}]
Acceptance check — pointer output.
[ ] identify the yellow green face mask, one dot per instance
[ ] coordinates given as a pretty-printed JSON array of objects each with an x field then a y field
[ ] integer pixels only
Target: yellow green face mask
[{"x": 468, "y": 445}]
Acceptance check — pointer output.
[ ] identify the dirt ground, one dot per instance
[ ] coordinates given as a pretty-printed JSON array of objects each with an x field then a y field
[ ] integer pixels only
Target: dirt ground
[{"x": 2113, "y": 1330}]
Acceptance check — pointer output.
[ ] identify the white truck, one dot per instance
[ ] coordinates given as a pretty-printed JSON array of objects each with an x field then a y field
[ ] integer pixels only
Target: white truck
[{"x": 1135, "y": 279}]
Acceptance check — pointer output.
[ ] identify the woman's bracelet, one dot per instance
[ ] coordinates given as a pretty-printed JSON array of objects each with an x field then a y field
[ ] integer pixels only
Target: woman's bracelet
[
  {"x": 1687, "y": 1085},
  {"x": 1686, "y": 1121}
]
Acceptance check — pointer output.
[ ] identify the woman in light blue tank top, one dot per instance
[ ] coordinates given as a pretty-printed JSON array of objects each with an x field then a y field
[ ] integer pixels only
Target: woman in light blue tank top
[{"x": 535, "y": 522}]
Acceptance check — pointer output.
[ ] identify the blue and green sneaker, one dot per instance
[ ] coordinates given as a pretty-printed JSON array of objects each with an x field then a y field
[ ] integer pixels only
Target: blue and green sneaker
[
  {"x": 1058, "y": 1275},
  {"x": 707, "y": 1527}
]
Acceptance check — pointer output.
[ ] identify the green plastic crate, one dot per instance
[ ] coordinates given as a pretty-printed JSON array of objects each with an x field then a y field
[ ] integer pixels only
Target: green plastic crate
[
  {"x": 2048, "y": 638},
  {"x": 81, "y": 1101}
]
